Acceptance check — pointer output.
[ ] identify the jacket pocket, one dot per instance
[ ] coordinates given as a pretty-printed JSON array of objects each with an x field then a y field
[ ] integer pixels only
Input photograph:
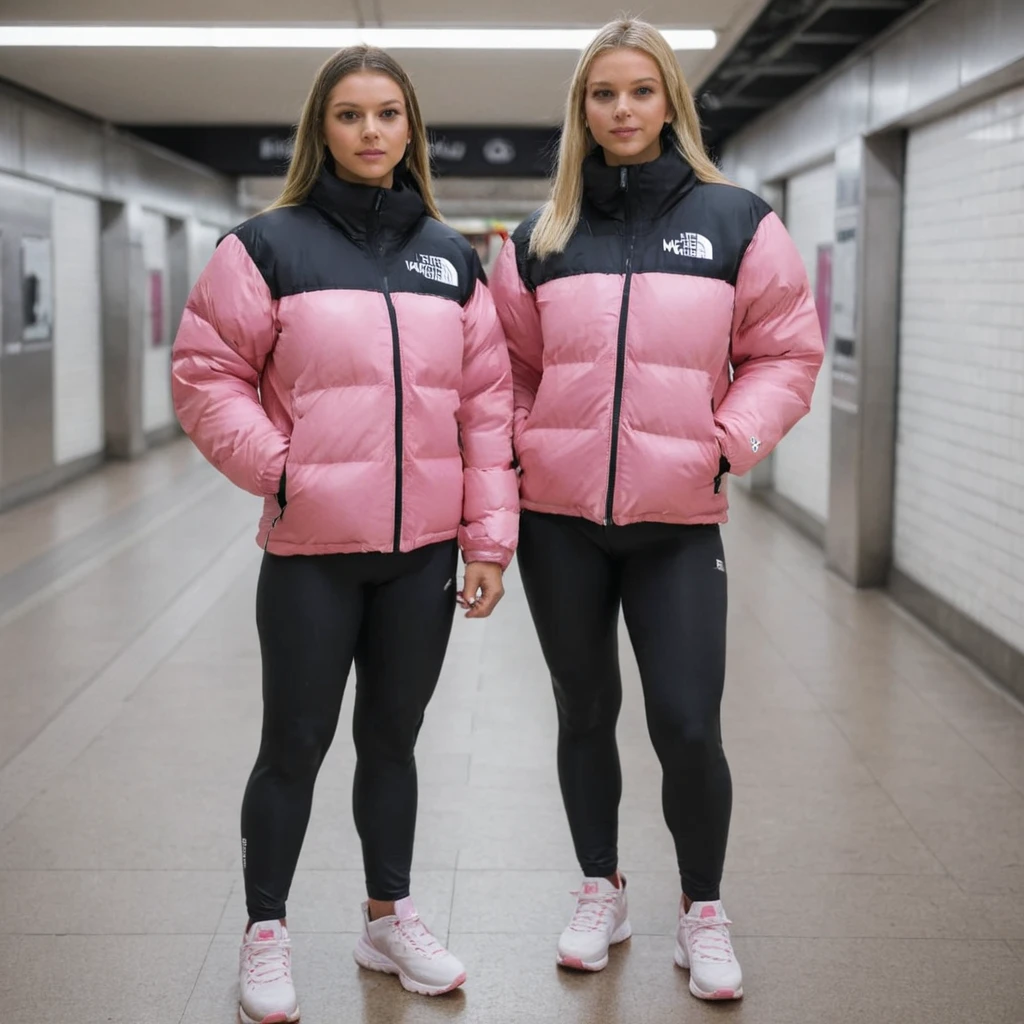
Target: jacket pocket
[
  {"x": 282, "y": 492},
  {"x": 723, "y": 467}
]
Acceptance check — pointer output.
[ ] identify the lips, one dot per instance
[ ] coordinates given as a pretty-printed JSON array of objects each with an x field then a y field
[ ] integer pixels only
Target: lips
[
  {"x": 625, "y": 132},
  {"x": 370, "y": 153}
]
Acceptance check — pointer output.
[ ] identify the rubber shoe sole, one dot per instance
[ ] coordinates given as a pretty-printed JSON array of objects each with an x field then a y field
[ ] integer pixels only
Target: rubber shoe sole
[
  {"x": 720, "y": 994},
  {"x": 371, "y": 959},
  {"x": 574, "y": 963},
  {"x": 271, "y": 1018}
]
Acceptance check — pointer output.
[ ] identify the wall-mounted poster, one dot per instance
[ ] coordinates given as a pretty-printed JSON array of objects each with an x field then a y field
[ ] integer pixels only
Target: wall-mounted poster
[
  {"x": 36, "y": 289},
  {"x": 156, "y": 308}
]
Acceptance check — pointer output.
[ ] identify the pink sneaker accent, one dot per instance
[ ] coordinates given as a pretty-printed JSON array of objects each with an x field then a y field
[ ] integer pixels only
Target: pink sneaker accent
[
  {"x": 405, "y": 910},
  {"x": 589, "y": 889},
  {"x": 265, "y": 936},
  {"x": 708, "y": 911}
]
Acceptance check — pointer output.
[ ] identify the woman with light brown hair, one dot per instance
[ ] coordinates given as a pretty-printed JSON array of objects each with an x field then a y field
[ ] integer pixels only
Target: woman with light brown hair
[
  {"x": 341, "y": 357},
  {"x": 662, "y": 335}
]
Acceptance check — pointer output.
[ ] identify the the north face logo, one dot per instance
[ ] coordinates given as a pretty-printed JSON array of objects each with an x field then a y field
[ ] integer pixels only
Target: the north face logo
[
  {"x": 435, "y": 268},
  {"x": 689, "y": 243}
]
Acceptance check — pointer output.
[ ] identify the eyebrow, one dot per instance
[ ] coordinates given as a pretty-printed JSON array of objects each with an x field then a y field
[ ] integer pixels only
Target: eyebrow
[
  {"x": 357, "y": 106},
  {"x": 639, "y": 81}
]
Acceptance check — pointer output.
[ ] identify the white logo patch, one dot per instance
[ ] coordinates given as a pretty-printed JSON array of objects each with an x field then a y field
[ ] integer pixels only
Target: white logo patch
[
  {"x": 689, "y": 243},
  {"x": 719, "y": 565},
  {"x": 435, "y": 268},
  {"x": 755, "y": 445}
]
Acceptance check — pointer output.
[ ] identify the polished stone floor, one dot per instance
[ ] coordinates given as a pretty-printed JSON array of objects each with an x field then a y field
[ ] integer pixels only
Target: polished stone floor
[{"x": 876, "y": 865}]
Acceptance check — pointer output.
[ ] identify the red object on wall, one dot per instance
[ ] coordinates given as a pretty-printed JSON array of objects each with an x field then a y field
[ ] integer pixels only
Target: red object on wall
[
  {"x": 823, "y": 289},
  {"x": 156, "y": 308}
]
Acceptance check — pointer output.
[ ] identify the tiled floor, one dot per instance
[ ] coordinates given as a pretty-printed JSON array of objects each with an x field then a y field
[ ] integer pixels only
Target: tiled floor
[{"x": 876, "y": 866}]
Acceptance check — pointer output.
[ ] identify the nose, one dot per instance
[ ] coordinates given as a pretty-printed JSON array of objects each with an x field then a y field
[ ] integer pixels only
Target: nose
[
  {"x": 622, "y": 108},
  {"x": 370, "y": 129}
]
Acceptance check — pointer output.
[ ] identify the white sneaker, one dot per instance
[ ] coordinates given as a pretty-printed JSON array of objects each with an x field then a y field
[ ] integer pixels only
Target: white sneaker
[
  {"x": 601, "y": 920},
  {"x": 266, "y": 991},
  {"x": 704, "y": 948},
  {"x": 402, "y": 944}
]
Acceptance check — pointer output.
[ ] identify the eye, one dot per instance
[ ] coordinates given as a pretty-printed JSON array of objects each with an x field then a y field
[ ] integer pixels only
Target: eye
[
  {"x": 645, "y": 90},
  {"x": 389, "y": 115},
  {"x": 602, "y": 94},
  {"x": 349, "y": 115}
]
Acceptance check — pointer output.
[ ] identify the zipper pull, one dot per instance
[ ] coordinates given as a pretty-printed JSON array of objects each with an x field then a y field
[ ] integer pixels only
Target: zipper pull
[
  {"x": 623, "y": 178},
  {"x": 379, "y": 201}
]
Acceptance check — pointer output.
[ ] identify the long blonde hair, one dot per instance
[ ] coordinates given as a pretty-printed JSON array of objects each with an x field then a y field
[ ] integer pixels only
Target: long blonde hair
[
  {"x": 308, "y": 155},
  {"x": 561, "y": 214}
]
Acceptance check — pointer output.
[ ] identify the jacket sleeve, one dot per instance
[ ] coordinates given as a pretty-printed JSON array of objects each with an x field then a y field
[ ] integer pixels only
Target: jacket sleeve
[
  {"x": 490, "y": 519},
  {"x": 777, "y": 349},
  {"x": 226, "y": 333},
  {"x": 517, "y": 309}
]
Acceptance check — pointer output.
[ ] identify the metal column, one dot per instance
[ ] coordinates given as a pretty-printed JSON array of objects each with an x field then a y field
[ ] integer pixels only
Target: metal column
[
  {"x": 124, "y": 283},
  {"x": 865, "y": 316}
]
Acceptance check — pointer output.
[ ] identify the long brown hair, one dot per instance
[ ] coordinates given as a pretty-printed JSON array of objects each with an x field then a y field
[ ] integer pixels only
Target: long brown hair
[
  {"x": 562, "y": 212},
  {"x": 308, "y": 155}
]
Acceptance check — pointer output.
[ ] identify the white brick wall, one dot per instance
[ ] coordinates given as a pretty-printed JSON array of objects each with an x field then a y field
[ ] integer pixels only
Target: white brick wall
[
  {"x": 959, "y": 527},
  {"x": 801, "y": 466},
  {"x": 78, "y": 348}
]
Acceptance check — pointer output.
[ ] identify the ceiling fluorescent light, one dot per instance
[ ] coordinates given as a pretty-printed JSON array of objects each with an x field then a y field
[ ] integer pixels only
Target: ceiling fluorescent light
[{"x": 284, "y": 37}]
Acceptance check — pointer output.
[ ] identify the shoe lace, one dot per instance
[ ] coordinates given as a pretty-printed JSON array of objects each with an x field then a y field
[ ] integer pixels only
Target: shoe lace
[
  {"x": 592, "y": 910},
  {"x": 419, "y": 938},
  {"x": 268, "y": 962},
  {"x": 709, "y": 941}
]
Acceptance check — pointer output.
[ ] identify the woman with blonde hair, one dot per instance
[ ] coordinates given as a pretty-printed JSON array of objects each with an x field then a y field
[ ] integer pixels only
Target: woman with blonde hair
[
  {"x": 340, "y": 356},
  {"x": 662, "y": 334}
]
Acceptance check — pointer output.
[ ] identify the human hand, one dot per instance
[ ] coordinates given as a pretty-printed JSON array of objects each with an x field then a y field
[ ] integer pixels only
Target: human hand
[{"x": 482, "y": 589}]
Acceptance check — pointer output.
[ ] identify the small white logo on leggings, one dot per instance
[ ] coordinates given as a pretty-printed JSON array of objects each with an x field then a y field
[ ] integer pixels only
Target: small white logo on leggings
[
  {"x": 244, "y": 842},
  {"x": 719, "y": 565},
  {"x": 448, "y": 585}
]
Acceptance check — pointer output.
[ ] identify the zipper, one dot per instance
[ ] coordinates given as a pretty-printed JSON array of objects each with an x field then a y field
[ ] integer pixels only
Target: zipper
[
  {"x": 620, "y": 358},
  {"x": 397, "y": 360}
]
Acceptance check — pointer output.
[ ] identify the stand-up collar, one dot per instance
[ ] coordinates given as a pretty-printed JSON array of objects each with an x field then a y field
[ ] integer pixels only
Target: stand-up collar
[
  {"x": 645, "y": 191},
  {"x": 366, "y": 213}
]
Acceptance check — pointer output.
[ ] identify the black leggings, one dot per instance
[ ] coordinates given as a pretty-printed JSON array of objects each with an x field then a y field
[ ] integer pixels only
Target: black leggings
[
  {"x": 392, "y": 614},
  {"x": 671, "y": 583}
]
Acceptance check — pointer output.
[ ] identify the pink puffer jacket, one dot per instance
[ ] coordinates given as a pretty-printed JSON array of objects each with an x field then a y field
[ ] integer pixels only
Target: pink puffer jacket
[
  {"x": 674, "y": 340},
  {"x": 343, "y": 360}
]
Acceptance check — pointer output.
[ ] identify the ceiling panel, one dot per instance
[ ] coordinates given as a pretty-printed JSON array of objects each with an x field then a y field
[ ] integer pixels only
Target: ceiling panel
[
  {"x": 194, "y": 86},
  {"x": 669, "y": 13},
  {"x": 191, "y": 87},
  {"x": 145, "y": 12},
  {"x": 664, "y": 13}
]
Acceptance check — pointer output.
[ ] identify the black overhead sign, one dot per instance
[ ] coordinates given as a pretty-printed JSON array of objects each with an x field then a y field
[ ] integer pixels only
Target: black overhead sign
[{"x": 264, "y": 150}]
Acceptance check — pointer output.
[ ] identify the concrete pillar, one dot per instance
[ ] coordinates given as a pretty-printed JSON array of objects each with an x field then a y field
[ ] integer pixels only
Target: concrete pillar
[
  {"x": 865, "y": 314},
  {"x": 123, "y": 275}
]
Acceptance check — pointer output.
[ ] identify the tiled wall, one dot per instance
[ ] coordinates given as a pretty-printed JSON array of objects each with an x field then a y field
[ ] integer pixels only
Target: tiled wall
[
  {"x": 801, "y": 466},
  {"x": 960, "y": 449}
]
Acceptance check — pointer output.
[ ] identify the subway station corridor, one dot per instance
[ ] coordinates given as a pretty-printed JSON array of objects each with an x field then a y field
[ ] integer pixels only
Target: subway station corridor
[{"x": 876, "y": 865}]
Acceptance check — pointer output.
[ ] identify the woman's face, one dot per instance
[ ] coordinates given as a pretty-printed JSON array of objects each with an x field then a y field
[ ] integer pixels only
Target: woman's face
[
  {"x": 366, "y": 128},
  {"x": 626, "y": 106}
]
